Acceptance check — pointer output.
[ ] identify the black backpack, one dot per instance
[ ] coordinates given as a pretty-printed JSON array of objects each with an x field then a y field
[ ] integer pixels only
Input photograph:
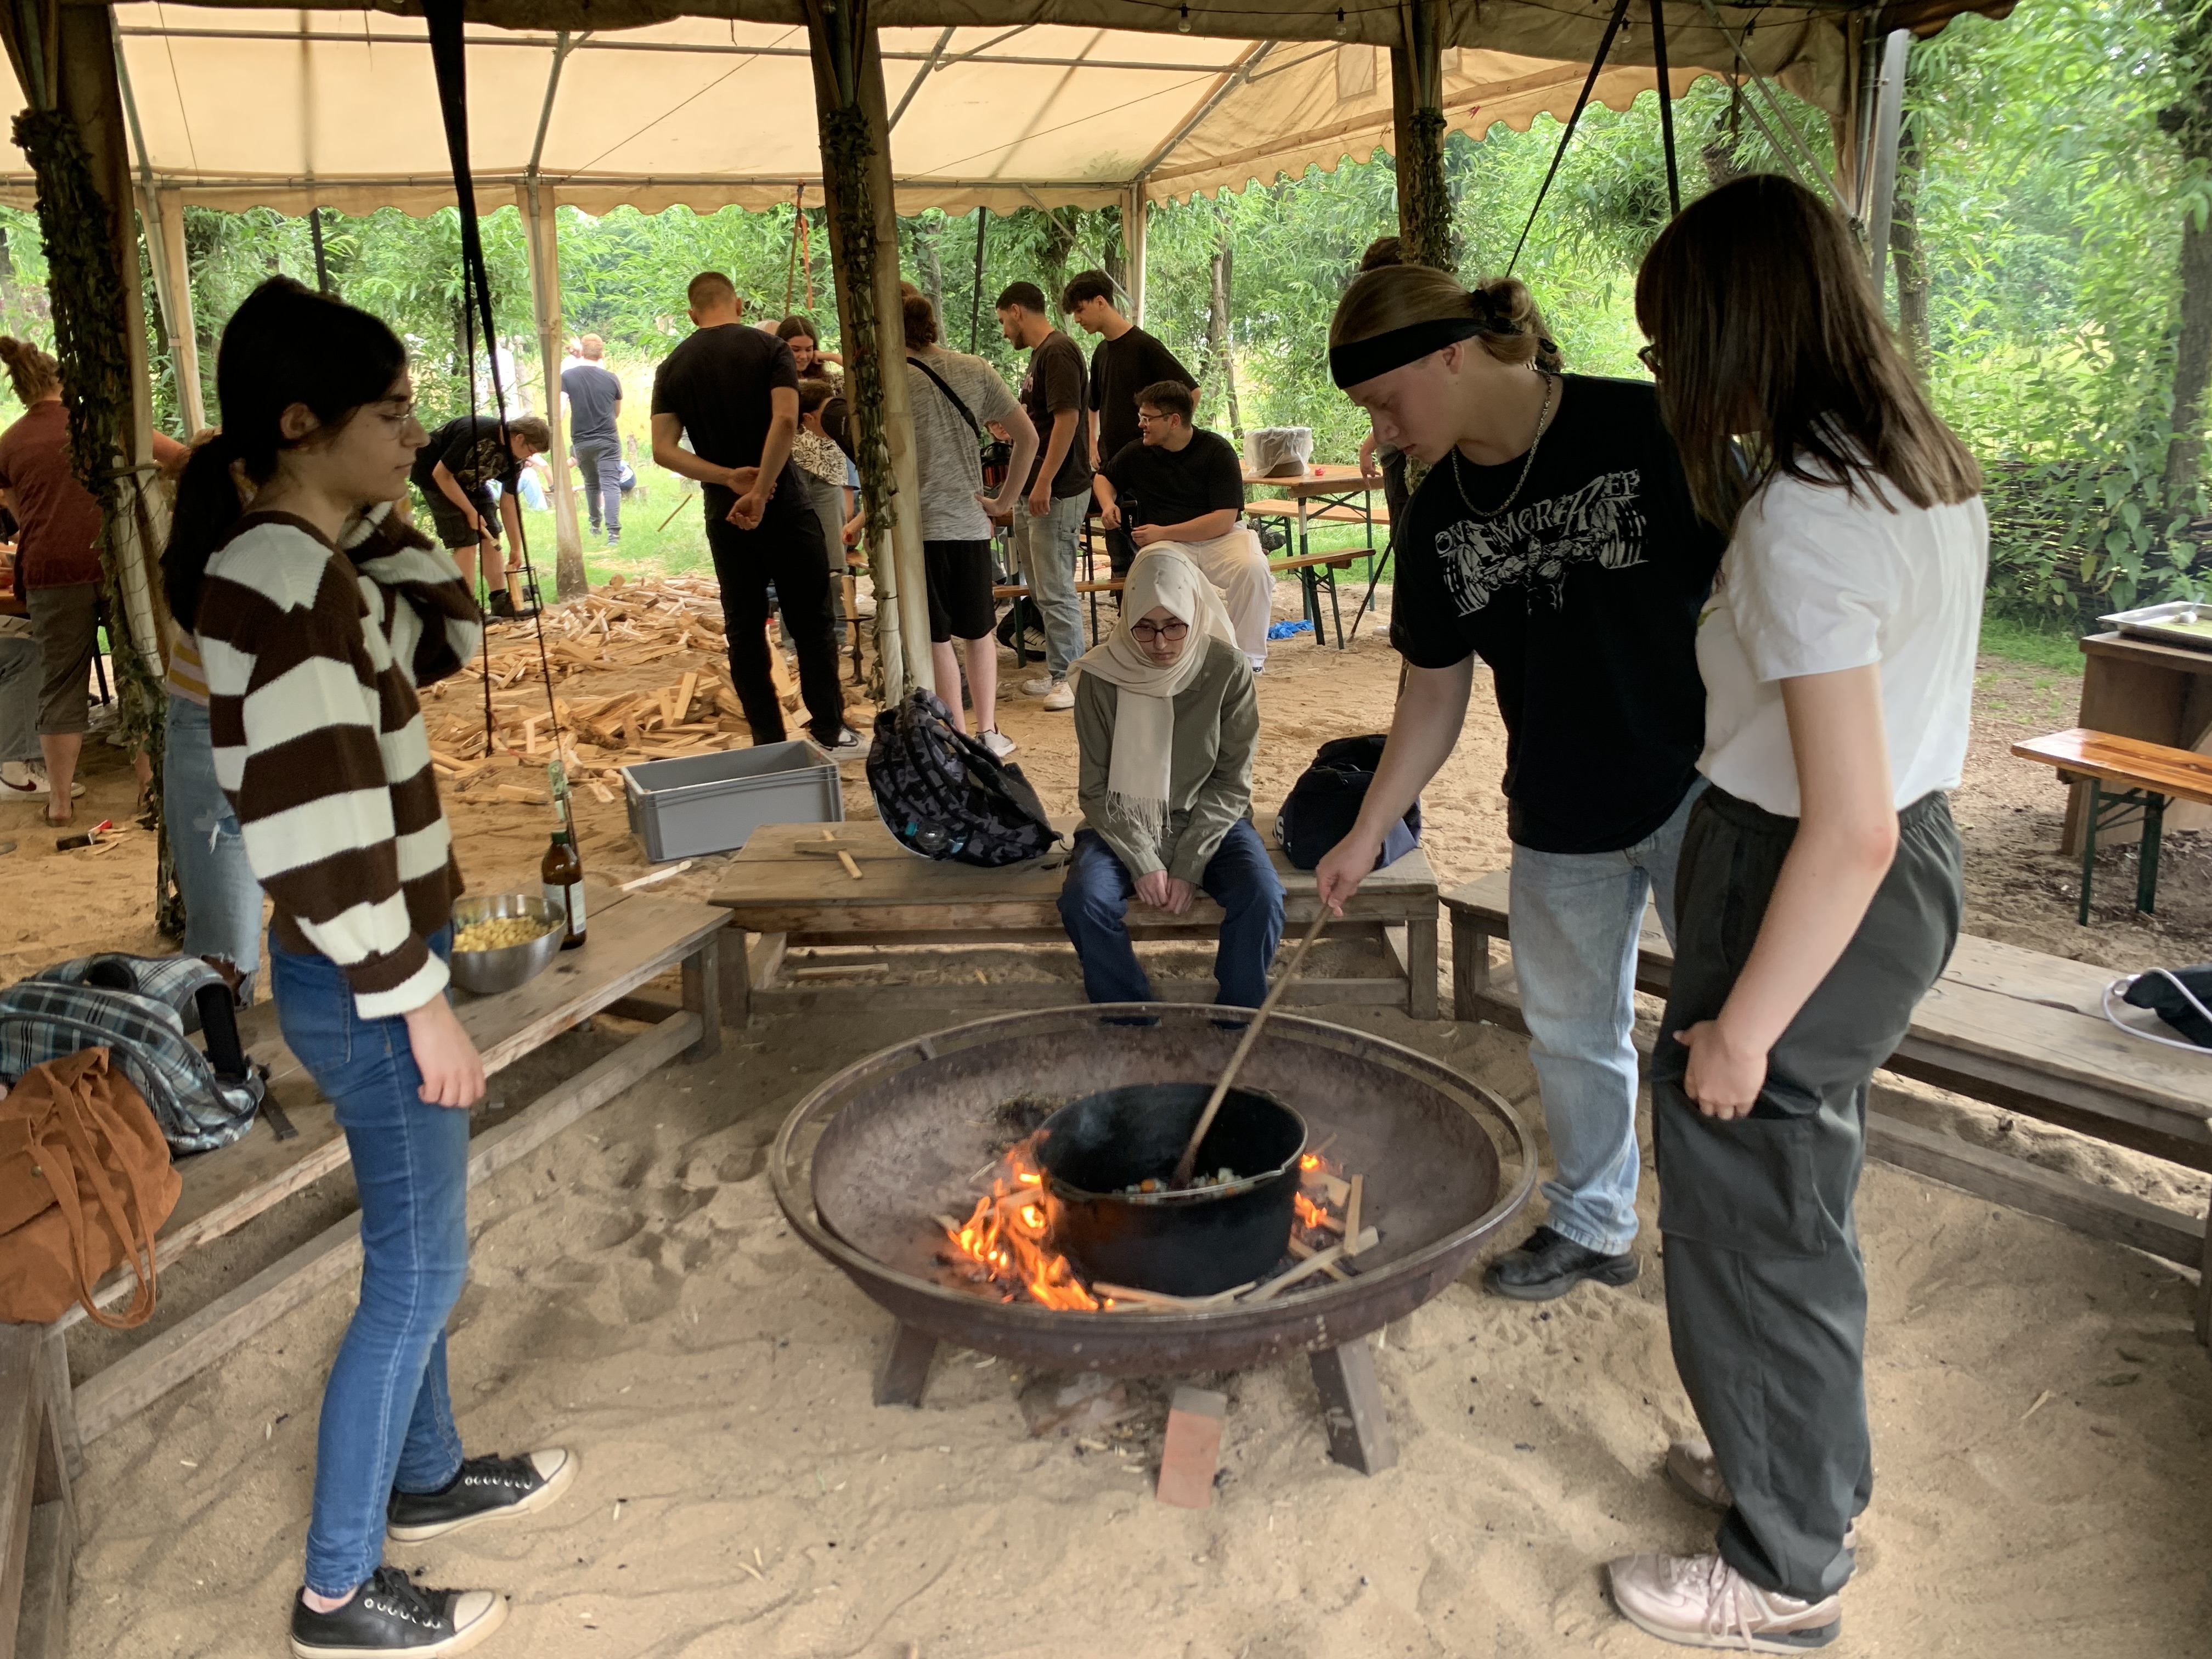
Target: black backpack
[
  {"x": 942, "y": 795},
  {"x": 1325, "y": 802}
]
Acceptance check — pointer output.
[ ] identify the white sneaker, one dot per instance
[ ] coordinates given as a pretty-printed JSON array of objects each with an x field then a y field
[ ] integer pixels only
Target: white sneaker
[
  {"x": 1701, "y": 1601},
  {"x": 1062, "y": 695},
  {"x": 998, "y": 743},
  {"x": 29, "y": 777},
  {"x": 1040, "y": 686}
]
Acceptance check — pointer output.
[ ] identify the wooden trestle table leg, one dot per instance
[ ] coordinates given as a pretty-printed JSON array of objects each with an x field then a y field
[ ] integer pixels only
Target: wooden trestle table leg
[{"x": 702, "y": 995}]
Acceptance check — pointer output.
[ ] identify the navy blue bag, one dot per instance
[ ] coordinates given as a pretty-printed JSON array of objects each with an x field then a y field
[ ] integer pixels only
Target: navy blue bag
[{"x": 1325, "y": 802}]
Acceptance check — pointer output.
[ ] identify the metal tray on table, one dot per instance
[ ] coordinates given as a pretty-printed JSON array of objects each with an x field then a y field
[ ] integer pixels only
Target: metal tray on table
[{"x": 2186, "y": 622}]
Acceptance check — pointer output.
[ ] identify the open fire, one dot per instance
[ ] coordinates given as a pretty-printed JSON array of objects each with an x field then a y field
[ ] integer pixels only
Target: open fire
[{"x": 1004, "y": 1248}]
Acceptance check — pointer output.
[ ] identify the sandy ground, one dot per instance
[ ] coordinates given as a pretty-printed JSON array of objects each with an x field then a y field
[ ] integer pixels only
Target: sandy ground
[{"x": 2043, "y": 1417}]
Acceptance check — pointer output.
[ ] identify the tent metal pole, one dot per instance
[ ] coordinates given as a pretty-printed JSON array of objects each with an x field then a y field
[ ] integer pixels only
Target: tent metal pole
[
  {"x": 1234, "y": 78},
  {"x": 184, "y": 328},
  {"x": 542, "y": 227},
  {"x": 975, "y": 306},
  {"x": 928, "y": 67},
  {"x": 1889, "y": 128},
  {"x": 1134, "y": 213}
]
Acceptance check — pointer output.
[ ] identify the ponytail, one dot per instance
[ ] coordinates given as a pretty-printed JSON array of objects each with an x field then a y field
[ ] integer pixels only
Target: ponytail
[
  {"x": 32, "y": 373},
  {"x": 286, "y": 344}
]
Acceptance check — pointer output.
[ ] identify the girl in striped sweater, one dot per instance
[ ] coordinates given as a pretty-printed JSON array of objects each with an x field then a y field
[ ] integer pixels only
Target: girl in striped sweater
[{"x": 319, "y": 613}]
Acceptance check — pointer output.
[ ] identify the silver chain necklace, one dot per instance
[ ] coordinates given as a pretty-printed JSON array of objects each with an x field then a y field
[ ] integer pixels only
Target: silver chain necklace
[{"x": 1543, "y": 424}]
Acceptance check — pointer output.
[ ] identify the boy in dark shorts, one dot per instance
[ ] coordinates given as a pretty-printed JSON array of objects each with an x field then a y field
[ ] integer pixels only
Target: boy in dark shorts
[{"x": 455, "y": 471}]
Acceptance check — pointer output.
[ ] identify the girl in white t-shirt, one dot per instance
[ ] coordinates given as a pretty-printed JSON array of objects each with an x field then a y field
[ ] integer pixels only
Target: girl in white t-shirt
[{"x": 1819, "y": 891}]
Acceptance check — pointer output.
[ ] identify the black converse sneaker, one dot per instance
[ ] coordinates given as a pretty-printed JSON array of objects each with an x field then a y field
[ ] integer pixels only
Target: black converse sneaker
[
  {"x": 390, "y": 1614},
  {"x": 486, "y": 1489}
]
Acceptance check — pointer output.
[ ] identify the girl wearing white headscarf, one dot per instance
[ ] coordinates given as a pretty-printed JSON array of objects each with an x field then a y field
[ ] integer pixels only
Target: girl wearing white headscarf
[{"x": 1167, "y": 722}]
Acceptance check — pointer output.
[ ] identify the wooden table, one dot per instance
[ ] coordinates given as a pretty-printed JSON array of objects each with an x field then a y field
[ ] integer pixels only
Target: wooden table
[
  {"x": 2143, "y": 689},
  {"x": 2129, "y": 776},
  {"x": 790, "y": 899},
  {"x": 2016, "y": 1028}
]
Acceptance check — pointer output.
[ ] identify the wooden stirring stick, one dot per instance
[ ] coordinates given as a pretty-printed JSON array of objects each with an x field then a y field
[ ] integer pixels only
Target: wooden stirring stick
[{"x": 1189, "y": 1159}]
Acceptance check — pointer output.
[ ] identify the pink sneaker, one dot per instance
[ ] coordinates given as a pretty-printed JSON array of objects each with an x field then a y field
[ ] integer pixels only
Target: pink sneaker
[{"x": 1701, "y": 1601}]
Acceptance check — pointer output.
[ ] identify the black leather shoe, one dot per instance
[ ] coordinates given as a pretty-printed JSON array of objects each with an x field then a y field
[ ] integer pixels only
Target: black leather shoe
[
  {"x": 1547, "y": 1266},
  {"x": 392, "y": 1613},
  {"x": 486, "y": 1489}
]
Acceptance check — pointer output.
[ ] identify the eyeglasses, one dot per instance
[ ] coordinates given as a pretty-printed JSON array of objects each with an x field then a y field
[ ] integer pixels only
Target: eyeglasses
[
  {"x": 1648, "y": 356},
  {"x": 1145, "y": 633},
  {"x": 1149, "y": 417}
]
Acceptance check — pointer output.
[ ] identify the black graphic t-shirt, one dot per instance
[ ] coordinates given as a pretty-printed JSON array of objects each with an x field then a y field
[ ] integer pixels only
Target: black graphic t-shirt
[{"x": 1583, "y": 599}]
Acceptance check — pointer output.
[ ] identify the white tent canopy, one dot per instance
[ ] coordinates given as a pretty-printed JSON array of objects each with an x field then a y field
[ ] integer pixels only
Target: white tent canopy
[{"x": 235, "y": 108}]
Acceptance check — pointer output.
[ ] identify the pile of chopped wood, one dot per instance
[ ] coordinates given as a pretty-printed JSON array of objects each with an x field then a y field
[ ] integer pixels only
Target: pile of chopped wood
[{"x": 610, "y": 655}]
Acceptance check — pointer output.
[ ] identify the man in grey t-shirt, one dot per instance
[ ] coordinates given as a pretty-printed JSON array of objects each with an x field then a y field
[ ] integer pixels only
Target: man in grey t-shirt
[
  {"x": 954, "y": 397},
  {"x": 594, "y": 399}
]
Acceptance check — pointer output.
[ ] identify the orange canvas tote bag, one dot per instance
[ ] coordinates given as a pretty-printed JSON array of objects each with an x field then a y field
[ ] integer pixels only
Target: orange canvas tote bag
[{"x": 85, "y": 1183}]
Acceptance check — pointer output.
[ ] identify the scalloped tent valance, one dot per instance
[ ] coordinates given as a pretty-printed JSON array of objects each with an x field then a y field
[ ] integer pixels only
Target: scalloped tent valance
[{"x": 627, "y": 102}]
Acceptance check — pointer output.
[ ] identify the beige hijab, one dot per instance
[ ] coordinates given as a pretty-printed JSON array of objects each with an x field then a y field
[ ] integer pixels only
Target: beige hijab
[{"x": 1139, "y": 777}]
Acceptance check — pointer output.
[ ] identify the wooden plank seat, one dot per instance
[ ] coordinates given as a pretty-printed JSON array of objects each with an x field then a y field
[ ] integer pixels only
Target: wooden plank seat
[
  {"x": 633, "y": 940},
  {"x": 792, "y": 899},
  {"x": 2129, "y": 780},
  {"x": 2014, "y": 1027},
  {"x": 1336, "y": 513}
]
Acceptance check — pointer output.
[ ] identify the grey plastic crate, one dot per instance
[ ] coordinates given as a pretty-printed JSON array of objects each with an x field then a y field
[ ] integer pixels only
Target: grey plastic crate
[{"x": 712, "y": 803}]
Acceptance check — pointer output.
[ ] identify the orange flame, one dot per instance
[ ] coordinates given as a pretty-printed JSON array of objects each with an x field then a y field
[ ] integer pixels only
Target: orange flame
[
  {"x": 1311, "y": 1214},
  {"x": 1007, "y": 1234}
]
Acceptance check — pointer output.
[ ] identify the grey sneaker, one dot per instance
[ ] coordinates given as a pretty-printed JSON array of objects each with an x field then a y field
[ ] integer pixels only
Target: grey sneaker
[
  {"x": 1039, "y": 687},
  {"x": 1701, "y": 1601},
  {"x": 1062, "y": 695},
  {"x": 998, "y": 743}
]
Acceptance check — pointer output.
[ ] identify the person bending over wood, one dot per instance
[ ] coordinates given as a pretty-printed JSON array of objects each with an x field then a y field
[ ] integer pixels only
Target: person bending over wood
[
  {"x": 1176, "y": 484},
  {"x": 455, "y": 471},
  {"x": 1166, "y": 723}
]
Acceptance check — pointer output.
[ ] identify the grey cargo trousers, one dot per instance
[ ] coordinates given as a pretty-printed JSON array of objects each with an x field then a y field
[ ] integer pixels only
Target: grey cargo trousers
[{"x": 1766, "y": 1287}]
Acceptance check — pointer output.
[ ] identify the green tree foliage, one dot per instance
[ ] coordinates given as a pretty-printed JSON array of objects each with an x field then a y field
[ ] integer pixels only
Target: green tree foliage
[{"x": 2056, "y": 174}]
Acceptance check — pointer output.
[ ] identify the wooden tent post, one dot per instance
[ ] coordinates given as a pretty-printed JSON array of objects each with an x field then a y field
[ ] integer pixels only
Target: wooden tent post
[
  {"x": 1134, "y": 211},
  {"x": 543, "y": 232},
  {"x": 856, "y": 164},
  {"x": 1418, "y": 125},
  {"x": 184, "y": 328}
]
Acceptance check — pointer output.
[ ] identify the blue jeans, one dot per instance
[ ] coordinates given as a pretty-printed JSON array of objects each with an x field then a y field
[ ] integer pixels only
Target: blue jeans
[
  {"x": 223, "y": 901},
  {"x": 1047, "y": 548},
  {"x": 1575, "y": 916},
  {"x": 599, "y": 467},
  {"x": 387, "y": 1419},
  {"x": 1240, "y": 878}
]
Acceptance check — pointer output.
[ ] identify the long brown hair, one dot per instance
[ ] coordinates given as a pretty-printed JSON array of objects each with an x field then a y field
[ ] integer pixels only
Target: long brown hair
[
  {"x": 30, "y": 371},
  {"x": 1390, "y": 297},
  {"x": 1773, "y": 356}
]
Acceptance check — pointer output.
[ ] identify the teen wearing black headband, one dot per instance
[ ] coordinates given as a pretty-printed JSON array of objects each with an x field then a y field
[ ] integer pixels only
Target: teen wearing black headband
[{"x": 1553, "y": 537}]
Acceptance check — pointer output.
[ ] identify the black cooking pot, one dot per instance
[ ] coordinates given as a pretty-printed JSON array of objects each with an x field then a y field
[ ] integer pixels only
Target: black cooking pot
[{"x": 1187, "y": 1244}]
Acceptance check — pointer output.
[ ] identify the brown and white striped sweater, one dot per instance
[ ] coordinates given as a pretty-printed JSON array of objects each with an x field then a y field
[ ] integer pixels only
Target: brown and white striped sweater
[{"x": 312, "y": 656}]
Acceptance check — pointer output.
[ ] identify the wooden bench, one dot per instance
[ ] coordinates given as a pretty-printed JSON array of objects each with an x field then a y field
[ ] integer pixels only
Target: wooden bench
[
  {"x": 633, "y": 939},
  {"x": 2015, "y": 1028},
  {"x": 38, "y": 1511},
  {"x": 1312, "y": 571},
  {"x": 1306, "y": 513},
  {"x": 790, "y": 899},
  {"x": 2137, "y": 780}
]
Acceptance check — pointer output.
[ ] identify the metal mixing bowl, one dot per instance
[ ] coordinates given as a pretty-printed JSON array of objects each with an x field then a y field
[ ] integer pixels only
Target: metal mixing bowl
[{"x": 511, "y": 965}]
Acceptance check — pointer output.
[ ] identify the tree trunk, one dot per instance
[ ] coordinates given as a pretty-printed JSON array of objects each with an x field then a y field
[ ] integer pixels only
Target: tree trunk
[
  {"x": 1115, "y": 263},
  {"x": 932, "y": 266},
  {"x": 1220, "y": 361},
  {"x": 1059, "y": 243},
  {"x": 1908, "y": 255},
  {"x": 2192, "y": 368}
]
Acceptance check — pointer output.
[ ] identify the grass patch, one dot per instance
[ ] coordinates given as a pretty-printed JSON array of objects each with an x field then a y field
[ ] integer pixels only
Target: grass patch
[{"x": 2032, "y": 644}]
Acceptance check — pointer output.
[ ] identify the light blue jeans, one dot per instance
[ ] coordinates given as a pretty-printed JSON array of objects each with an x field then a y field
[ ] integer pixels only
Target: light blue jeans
[
  {"x": 223, "y": 901},
  {"x": 1047, "y": 547},
  {"x": 1575, "y": 916},
  {"x": 387, "y": 1416}
]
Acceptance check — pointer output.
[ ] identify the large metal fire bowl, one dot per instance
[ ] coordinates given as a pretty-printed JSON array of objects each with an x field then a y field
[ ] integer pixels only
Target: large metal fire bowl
[{"x": 865, "y": 1161}]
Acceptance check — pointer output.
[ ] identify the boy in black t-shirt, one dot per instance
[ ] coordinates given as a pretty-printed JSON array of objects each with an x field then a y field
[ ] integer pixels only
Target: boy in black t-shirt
[
  {"x": 1124, "y": 362},
  {"x": 1554, "y": 537},
  {"x": 455, "y": 471},
  {"x": 1178, "y": 484},
  {"x": 733, "y": 391}
]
